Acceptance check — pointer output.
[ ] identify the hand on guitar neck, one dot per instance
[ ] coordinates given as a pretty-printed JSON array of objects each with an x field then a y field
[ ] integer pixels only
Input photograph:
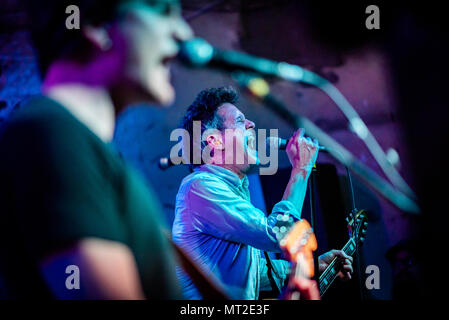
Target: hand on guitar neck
[
  {"x": 335, "y": 262},
  {"x": 299, "y": 242},
  {"x": 345, "y": 263},
  {"x": 302, "y": 287}
]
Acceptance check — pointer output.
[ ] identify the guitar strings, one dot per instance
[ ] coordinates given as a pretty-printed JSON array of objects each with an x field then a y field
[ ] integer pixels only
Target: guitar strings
[{"x": 326, "y": 274}]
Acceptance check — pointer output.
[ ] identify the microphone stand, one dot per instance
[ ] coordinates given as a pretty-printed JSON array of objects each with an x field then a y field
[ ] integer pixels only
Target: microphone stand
[
  {"x": 354, "y": 211},
  {"x": 312, "y": 182},
  {"x": 338, "y": 152},
  {"x": 198, "y": 52},
  {"x": 260, "y": 89}
]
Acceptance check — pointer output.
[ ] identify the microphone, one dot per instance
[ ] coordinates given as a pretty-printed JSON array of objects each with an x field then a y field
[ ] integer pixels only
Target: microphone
[
  {"x": 165, "y": 163},
  {"x": 198, "y": 52},
  {"x": 282, "y": 143}
]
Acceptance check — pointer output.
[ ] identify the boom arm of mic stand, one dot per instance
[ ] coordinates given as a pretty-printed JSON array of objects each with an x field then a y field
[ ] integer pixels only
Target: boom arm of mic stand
[
  {"x": 358, "y": 126},
  {"x": 341, "y": 154},
  {"x": 371, "y": 178},
  {"x": 198, "y": 52},
  {"x": 296, "y": 74}
]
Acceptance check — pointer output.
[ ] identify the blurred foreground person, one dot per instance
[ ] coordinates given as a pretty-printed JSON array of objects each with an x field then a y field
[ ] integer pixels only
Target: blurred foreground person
[{"x": 77, "y": 223}]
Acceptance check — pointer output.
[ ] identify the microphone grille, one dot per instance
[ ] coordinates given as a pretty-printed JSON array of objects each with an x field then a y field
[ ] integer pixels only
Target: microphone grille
[
  {"x": 274, "y": 141},
  {"x": 164, "y": 163},
  {"x": 197, "y": 51}
]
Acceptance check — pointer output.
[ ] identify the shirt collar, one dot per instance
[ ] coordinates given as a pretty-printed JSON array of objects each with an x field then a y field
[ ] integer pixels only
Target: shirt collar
[{"x": 225, "y": 174}]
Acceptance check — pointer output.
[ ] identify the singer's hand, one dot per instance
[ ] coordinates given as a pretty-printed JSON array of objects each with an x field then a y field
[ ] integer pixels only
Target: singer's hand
[{"x": 302, "y": 152}]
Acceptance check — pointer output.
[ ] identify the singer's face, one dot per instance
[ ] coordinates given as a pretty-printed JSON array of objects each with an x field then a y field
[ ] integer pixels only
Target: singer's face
[
  {"x": 151, "y": 34},
  {"x": 239, "y": 135}
]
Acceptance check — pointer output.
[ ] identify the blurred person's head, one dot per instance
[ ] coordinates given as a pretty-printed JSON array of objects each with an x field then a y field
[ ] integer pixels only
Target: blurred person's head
[
  {"x": 122, "y": 45},
  {"x": 405, "y": 259},
  {"x": 225, "y": 131}
]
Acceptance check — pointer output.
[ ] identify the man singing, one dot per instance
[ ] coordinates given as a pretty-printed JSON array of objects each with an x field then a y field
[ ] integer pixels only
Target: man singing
[{"x": 215, "y": 221}]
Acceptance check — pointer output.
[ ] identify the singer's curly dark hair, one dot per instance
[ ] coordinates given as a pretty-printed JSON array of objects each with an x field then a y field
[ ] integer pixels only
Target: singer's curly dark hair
[{"x": 204, "y": 108}]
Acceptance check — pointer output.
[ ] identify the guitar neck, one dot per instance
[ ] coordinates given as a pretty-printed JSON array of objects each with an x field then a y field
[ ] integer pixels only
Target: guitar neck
[{"x": 332, "y": 270}]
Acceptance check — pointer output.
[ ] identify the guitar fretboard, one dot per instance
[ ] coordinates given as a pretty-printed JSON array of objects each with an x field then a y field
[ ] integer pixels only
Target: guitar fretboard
[{"x": 331, "y": 272}]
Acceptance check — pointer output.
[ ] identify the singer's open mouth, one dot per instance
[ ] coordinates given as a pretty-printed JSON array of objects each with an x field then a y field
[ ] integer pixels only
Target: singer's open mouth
[
  {"x": 251, "y": 141},
  {"x": 166, "y": 61}
]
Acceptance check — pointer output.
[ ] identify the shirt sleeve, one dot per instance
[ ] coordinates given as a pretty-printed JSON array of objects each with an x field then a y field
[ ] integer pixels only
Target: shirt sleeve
[{"x": 216, "y": 210}]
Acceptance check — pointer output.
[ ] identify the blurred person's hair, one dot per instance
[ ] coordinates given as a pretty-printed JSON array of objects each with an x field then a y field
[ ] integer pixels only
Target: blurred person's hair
[{"x": 53, "y": 40}]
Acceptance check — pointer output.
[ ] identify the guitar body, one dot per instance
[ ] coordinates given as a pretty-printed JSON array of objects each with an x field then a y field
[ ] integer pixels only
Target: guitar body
[{"x": 299, "y": 245}]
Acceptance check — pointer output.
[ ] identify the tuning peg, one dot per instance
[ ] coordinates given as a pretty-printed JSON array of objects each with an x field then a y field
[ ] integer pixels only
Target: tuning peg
[
  {"x": 362, "y": 239},
  {"x": 363, "y": 232}
]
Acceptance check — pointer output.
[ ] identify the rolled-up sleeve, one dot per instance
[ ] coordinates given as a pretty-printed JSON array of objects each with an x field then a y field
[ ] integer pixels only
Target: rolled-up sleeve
[{"x": 216, "y": 210}]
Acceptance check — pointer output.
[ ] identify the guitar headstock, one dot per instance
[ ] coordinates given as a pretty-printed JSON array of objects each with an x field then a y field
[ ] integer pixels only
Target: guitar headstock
[
  {"x": 298, "y": 244},
  {"x": 357, "y": 225}
]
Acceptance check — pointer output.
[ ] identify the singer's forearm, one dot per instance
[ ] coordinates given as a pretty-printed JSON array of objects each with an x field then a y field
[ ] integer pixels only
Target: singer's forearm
[{"x": 296, "y": 189}]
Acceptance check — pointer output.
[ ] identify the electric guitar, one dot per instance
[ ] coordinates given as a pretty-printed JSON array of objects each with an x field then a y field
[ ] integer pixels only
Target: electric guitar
[
  {"x": 298, "y": 245},
  {"x": 357, "y": 224},
  {"x": 299, "y": 242}
]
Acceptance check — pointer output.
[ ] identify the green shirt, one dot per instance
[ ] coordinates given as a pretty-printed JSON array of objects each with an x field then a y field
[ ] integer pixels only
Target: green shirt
[{"x": 60, "y": 183}]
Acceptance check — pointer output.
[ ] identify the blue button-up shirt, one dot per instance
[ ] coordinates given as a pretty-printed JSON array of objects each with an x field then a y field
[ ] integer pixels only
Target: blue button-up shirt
[{"x": 224, "y": 233}]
